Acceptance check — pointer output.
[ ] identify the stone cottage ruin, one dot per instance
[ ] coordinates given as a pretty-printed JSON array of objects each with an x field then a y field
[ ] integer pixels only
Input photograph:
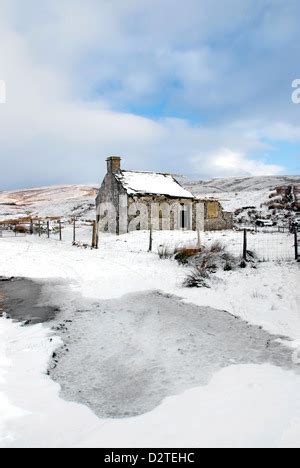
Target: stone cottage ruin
[{"x": 129, "y": 201}]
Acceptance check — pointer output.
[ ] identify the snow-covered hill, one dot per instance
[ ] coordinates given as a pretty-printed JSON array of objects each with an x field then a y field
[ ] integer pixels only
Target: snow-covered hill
[
  {"x": 60, "y": 201},
  {"x": 239, "y": 192},
  {"x": 241, "y": 184},
  {"x": 79, "y": 200}
]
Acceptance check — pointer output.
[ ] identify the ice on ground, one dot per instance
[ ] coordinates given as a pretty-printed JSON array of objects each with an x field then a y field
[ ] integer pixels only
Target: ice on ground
[
  {"x": 135, "y": 351},
  {"x": 24, "y": 300}
]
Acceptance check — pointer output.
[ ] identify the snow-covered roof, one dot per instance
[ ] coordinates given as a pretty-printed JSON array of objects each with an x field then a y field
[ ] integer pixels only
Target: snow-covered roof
[{"x": 152, "y": 183}]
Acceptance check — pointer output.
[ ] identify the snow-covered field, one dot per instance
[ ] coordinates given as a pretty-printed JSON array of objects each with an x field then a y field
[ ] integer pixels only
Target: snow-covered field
[{"x": 241, "y": 406}]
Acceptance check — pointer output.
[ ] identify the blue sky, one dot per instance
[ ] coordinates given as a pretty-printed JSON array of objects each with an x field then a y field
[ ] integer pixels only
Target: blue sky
[{"x": 200, "y": 87}]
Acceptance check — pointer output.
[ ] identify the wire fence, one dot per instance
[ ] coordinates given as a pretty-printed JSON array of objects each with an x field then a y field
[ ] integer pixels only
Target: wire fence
[
  {"x": 263, "y": 246},
  {"x": 79, "y": 234},
  {"x": 287, "y": 228},
  {"x": 258, "y": 244},
  {"x": 274, "y": 246},
  {"x": 10, "y": 233}
]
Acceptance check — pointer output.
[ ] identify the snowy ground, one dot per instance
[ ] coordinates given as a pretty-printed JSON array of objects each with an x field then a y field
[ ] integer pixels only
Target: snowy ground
[{"x": 260, "y": 401}]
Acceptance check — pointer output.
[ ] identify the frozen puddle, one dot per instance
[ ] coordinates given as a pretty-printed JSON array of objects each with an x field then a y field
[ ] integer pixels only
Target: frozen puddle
[
  {"x": 123, "y": 357},
  {"x": 25, "y": 300}
]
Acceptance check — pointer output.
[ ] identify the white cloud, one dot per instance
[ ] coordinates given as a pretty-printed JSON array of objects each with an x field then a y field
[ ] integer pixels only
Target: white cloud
[
  {"x": 230, "y": 163},
  {"x": 283, "y": 131},
  {"x": 72, "y": 67}
]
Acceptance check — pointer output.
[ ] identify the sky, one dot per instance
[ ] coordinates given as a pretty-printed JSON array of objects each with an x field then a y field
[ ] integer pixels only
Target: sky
[{"x": 195, "y": 87}]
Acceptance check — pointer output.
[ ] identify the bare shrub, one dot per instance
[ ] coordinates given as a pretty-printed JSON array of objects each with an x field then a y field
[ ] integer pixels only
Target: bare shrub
[
  {"x": 216, "y": 247},
  {"x": 183, "y": 254},
  {"x": 197, "y": 278},
  {"x": 207, "y": 262}
]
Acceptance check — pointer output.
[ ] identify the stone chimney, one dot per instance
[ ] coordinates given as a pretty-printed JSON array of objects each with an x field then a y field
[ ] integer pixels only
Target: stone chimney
[{"x": 113, "y": 164}]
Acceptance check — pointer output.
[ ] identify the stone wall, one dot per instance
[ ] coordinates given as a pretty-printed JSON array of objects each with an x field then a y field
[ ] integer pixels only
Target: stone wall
[
  {"x": 216, "y": 219},
  {"x": 164, "y": 213},
  {"x": 108, "y": 205}
]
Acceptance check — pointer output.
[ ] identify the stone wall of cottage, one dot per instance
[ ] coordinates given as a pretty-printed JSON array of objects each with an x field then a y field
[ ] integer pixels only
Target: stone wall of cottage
[
  {"x": 215, "y": 218},
  {"x": 108, "y": 204},
  {"x": 161, "y": 211}
]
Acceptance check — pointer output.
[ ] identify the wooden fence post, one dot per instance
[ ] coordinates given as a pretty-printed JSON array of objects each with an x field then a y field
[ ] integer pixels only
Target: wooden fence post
[
  {"x": 39, "y": 228},
  {"x": 60, "y": 233},
  {"x": 296, "y": 243},
  {"x": 48, "y": 229},
  {"x": 97, "y": 238},
  {"x": 245, "y": 245},
  {"x": 94, "y": 236},
  {"x": 97, "y": 231},
  {"x": 31, "y": 227},
  {"x": 151, "y": 239},
  {"x": 74, "y": 230}
]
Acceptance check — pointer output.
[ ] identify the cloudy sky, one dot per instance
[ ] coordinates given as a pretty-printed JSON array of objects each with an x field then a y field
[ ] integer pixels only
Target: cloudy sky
[{"x": 201, "y": 87}]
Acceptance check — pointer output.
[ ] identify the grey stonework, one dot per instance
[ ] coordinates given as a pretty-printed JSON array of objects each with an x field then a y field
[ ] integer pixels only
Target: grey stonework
[
  {"x": 163, "y": 212},
  {"x": 119, "y": 211},
  {"x": 223, "y": 220},
  {"x": 110, "y": 192}
]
